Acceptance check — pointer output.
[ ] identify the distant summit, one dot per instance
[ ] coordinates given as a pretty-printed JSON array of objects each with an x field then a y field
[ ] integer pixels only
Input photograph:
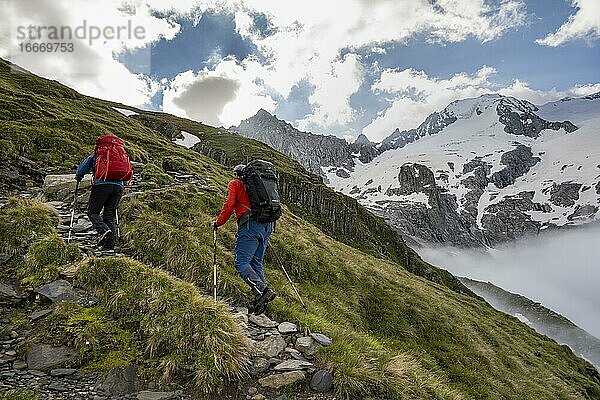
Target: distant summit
[{"x": 311, "y": 150}]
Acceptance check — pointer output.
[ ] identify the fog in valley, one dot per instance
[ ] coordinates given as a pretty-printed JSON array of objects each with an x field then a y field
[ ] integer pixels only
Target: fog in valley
[{"x": 561, "y": 270}]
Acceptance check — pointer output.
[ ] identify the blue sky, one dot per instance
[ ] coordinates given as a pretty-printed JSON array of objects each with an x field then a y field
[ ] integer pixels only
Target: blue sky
[{"x": 338, "y": 67}]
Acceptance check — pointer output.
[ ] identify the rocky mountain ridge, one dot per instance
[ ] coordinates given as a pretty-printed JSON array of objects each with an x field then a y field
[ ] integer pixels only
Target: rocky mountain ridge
[{"x": 311, "y": 150}]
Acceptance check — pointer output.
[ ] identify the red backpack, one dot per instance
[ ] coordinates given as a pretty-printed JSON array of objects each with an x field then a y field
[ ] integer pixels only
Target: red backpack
[{"x": 112, "y": 162}]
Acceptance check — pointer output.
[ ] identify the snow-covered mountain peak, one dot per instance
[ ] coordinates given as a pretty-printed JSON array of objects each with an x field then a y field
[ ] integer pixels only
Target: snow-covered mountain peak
[{"x": 498, "y": 168}]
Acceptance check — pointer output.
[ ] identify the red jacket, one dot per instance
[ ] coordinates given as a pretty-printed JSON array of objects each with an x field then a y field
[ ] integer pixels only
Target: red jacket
[{"x": 237, "y": 199}]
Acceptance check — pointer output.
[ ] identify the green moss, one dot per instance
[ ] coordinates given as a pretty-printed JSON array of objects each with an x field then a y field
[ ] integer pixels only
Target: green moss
[
  {"x": 102, "y": 342},
  {"x": 22, "y": 222},
  {"x": 18, "y": 318},
  {"x": 19, "y": 394},
  {"x": 45, "y": 260}
]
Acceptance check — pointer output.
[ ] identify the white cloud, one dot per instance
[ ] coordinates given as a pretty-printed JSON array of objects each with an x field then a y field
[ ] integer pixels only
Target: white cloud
[
  {"x": 223, "y": 96},
  {"x": 414, "y": 95},
  {"x": 306, "y": 46},
  {"x": 331, "y": 96},
  {"x": 584, "y": 24},
  {"x": 310, "y": 35},
  {"x": 90, "y": 68}
]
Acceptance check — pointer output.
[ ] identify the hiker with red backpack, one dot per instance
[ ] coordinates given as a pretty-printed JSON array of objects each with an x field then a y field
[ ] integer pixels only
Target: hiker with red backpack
[
  {"x": 111, "y": 170},
  {"x": 254, "y": 197}
]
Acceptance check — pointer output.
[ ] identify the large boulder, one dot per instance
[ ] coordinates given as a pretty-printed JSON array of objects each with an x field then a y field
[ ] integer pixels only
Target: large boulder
[
  {"x": 62, "y": 187},
  {"x": 45, "y": 356},
  {"x": 277, "y": 381}
]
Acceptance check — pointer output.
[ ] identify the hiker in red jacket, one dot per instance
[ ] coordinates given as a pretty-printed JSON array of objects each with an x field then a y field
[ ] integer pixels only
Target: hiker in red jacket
[
  {"x": 111, "y": 170},
  {"x": 251, "y": 240}
]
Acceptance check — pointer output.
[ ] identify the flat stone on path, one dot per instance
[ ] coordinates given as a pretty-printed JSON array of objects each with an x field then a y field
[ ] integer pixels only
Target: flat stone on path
[
  {"x": 19, "y": 365},
  {"x": 148, "y": 395},
  {"x": 286, "y": 328},
  {"x": 62, "y": 372},
  {"x": 59, "y": 290},
  {"x": 45, "y": 356},
  {"x": 308, "y": 346},
  {"x": 277, "y": 381},
  {"x": 259, "y": 366},
  {"x": 262, "y": 320},
  {"x": 321, "y": 339},
  {"x": 9, "y": 293},
  {"x": 272, "y": 346},
  {"x": 293, "y": 365},
  {"x": 39, "y": 314}
]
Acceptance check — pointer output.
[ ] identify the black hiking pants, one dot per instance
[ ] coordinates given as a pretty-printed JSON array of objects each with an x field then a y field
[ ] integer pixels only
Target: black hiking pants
[{"x": 105, "y": 196}]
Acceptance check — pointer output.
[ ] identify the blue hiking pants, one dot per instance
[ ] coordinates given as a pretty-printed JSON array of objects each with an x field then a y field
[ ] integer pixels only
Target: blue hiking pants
[{"x": 251, "y": 241}]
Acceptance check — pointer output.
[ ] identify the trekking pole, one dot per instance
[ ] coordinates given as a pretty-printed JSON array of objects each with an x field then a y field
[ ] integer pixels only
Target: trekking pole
[
  {"x": 288, "y": 277},
  {"x": 117, "y": 221},
  {"x": 215, "y": 264},
  {"x": 73, "y": 212}
]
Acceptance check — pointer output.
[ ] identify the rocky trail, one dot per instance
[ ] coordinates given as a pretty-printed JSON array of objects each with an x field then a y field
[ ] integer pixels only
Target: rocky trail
[{"x": 283, "y": 354}]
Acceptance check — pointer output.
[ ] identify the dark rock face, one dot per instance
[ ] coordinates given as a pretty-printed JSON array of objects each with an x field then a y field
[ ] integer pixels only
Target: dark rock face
[
  {"x": 583, "y": 212},
  {"x": 507, "y": 219},
  {"x": 565, "y": 194},
  {"x": 302, "y": 146},
  {"x": 519, "y": 118},
  {"x": 477, "y": 182},
  {"x": 441, "y": 220},
  {"x": 164, "y": 128},
  {"x": 518, "y": 162},
  {"x": 436, "y": 222},
  {"x": 413, "y": 178}
]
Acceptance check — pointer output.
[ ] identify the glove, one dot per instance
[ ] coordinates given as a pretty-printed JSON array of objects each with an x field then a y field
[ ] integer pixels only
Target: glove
[{"x": 214, "y": 225}]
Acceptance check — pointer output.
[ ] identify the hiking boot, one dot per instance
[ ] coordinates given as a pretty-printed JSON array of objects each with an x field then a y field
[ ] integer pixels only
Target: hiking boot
[
  {"x": 260, "y": 305},
  {"x": 104, "y": 236}
]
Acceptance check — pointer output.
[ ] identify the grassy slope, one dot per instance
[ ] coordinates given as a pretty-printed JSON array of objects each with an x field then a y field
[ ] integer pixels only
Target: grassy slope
[{"x": 396, "y": 335}]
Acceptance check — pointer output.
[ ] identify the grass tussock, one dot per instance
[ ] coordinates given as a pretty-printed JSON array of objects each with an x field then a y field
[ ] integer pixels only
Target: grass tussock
[
  {"x": 191, "y": 337},
  {"x": 22, "y": 222},
  {"x": 46, "y": 258},
  {"x": 153, "y": 176}
]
